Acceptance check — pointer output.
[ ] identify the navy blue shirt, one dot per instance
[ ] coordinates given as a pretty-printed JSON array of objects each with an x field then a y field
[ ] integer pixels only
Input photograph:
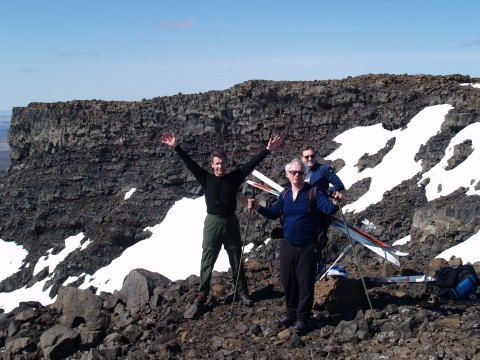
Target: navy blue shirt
[
  {"x": 300, "y": 223},
  {"x": 322, "y": 176}
]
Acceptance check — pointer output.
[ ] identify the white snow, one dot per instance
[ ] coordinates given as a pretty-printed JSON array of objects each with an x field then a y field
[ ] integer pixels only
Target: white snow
[
  {"x": 173, "y": 250},
  {"x": 398, "y": 164},
  {"x": 129, "y": 193},
  {"x": 466, "y": 174},
  {"x": 51, "y": 261},
  {"x": 12, "y": 256},
  {"x": 472, "y": 85},
  {"x": 402, "y": 241},
  {"x": 469, "y": 250}
]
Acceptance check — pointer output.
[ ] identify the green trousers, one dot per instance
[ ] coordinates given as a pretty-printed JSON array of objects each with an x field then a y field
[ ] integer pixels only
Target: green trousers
[{"x": 218, "y": 231}]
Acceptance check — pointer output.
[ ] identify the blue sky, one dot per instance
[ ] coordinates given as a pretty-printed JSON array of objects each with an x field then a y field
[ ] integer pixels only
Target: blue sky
[{"x": 57, "y": 50}]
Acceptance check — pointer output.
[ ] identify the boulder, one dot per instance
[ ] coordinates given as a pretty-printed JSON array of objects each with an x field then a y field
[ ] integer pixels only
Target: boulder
[
  {"x": 138, "y": 287},
  {"x": 58, "y": 341},
  {"x": 336, "y": 293},
  {"x": 16, "y": 346},
  {"x": 78, "y": 306}
]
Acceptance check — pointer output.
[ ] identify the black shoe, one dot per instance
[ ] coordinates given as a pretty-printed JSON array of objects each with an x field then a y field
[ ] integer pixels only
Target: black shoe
[
  {"x": 301, "y": 327},
  {"x": 199, "y": 299},
  {"x": 285, "y": 320},
  {"x": 245, "y": 299},
  {"x": 196, "y": 309}
]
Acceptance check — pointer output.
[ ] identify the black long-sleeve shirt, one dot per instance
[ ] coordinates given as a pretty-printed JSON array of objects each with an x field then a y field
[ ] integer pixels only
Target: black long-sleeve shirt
[{"x": 221, "y": 191}]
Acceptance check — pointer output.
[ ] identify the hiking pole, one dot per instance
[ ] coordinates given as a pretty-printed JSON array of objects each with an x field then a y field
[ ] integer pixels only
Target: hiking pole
[
  {"x": 241, "y": 255},
  {"x": 355, "y": 256}
]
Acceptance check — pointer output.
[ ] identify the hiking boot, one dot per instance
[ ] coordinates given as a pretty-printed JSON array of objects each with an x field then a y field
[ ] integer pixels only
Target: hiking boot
[
  {"x": 285, "y": 321},
  {"x": 196, "y": 309},
  {"x": 245, "y": 299},
  {"x": 199, "y": 299},
  {"x": 301, "y": 327}
]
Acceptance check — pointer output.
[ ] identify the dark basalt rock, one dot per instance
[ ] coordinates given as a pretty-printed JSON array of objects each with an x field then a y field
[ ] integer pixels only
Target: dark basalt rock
[{"x": 72, "y": 162}]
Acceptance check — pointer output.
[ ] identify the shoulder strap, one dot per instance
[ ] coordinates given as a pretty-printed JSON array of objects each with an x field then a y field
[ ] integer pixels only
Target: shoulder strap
[
  {"x": 280, "y": 204},
  {"x": 312, "y": 198}
]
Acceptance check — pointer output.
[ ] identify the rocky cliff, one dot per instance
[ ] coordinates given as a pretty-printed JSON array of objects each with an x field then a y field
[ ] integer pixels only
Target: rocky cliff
[{"x": 72, "y": 163}]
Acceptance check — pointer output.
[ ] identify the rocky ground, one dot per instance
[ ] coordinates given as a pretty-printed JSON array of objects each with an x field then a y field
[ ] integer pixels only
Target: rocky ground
[{"x": 146, "y": 320}]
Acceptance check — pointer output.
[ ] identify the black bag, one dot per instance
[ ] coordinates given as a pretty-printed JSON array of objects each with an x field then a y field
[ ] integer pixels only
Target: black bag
[
  {"x": 446, "y": 277},
  {"x": 276, "y": 233},
  {"x": 457, "y": 284}
]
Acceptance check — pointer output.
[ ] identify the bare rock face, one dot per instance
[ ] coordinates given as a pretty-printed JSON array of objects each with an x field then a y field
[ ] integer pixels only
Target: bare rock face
[
  {"x": 72, "y": 163},
  {"x": 453, "y": 219}
]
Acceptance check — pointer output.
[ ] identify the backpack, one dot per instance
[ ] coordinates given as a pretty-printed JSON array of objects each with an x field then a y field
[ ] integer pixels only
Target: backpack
[
  {"x": 323, "y": 221},
  {"x": 457, "y": 283}
]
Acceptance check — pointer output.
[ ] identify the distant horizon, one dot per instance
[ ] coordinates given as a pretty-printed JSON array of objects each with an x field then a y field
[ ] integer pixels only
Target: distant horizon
[{"x": 4, "y": 146}]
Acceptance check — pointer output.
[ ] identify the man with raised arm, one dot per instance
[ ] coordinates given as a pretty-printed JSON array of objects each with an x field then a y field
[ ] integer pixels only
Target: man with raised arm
[{"x": 221, "y": 225}]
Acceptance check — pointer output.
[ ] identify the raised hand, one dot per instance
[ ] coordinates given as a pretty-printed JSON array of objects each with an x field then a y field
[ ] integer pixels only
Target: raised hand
[
  {"x": 274, "y": 143},
  {"x": 169, "y": 139}
]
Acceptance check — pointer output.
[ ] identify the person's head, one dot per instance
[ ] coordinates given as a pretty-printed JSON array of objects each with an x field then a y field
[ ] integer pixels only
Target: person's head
[
  {"x": 295, "y": 172},
  {"x": 218, "y": 162},
  {"x": 309, "y": 155}
]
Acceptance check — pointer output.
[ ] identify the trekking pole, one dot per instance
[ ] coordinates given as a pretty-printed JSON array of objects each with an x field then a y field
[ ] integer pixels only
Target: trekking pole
[
  {"x": 355, "y": 256},
  {"x": 241, "y": 255}
]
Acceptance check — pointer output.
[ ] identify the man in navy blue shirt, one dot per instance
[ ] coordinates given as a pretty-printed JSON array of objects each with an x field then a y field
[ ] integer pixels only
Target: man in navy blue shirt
[
  {"x": 320, "y": 175},
  {"x": 298, "y": 256},
  {"x": 323, "y": 177}
]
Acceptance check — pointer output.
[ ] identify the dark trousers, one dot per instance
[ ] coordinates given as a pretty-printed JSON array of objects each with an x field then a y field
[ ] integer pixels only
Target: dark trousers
[
  {"x": 297, "y": 273},
  {"x": 218, "y": 231}
]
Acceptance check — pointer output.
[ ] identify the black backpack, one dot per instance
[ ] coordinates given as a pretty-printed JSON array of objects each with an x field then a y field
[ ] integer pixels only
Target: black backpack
[
  {"x": 457, "y": 283},
  {"x": 323, "y": 220}
]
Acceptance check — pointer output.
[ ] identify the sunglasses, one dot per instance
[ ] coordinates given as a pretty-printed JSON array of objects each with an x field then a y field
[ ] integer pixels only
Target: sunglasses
[
  {"x": 296, "y": 172},
  {"x": 309, "y": 156}
]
